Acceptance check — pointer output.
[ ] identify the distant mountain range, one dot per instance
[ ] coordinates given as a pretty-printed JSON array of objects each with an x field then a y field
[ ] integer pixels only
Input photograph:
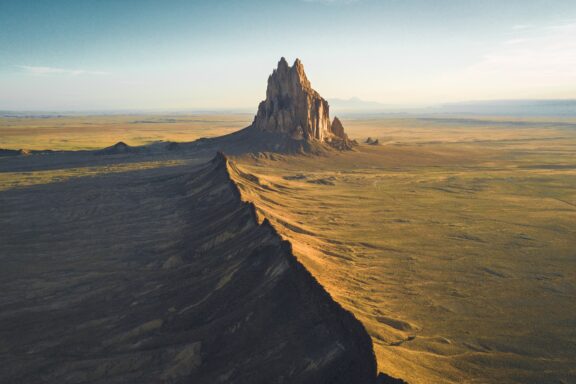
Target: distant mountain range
[
  {"x": 562, "y": 107},
  {"x": 565, "y": 107},
  {"x": 357, "y": 106}
]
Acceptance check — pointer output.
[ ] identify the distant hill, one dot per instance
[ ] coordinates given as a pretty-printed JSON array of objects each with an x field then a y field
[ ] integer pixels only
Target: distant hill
[
  {"x": 355, "y": 104},
  {"x": 566, "y": 107}
]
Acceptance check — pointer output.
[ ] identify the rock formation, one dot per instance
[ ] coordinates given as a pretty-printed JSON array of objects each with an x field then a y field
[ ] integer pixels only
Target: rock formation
[
  {"x": 338, "y": 129},
  {"x": 181, "y": 283},
  {"x": 119, "y": 148},
  {"x": 293, "y": 108},
  {"x": 293, "y": 118},
  {"x": 371, "y": 141}
]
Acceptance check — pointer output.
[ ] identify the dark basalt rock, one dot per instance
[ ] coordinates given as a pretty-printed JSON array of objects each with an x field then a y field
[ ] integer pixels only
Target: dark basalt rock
[
  {"x": 371, "y": 141},
  {"x": 11, "y": 152},
  {"x": 21, "y": 152},
  {"x": 168, "y": 277},
  {"x": 119, "y": 148}
]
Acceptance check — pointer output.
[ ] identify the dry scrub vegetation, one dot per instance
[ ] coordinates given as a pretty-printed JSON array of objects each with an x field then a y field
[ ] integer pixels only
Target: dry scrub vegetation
[
  {"x": 99, "y": 131},
  {"x": 453, "y": 241}
]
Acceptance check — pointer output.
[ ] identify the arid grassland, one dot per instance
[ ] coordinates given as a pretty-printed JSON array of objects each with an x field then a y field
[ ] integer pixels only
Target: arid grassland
[
  {"x": 99, "y": 131},
  {"x": 454, "y": 243}
]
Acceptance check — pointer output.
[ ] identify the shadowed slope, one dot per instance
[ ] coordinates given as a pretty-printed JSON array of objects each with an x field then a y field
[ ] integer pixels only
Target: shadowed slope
[
  {"x": 458, "y": 259},
  {"x": 162, "y": 275}
]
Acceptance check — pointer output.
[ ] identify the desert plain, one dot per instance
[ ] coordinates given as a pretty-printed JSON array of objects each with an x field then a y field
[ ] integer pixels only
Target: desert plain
[{"x": 453, "y": 241}]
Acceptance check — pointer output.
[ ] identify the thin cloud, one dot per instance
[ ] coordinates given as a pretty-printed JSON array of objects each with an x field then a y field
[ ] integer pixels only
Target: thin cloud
[
  {"x": 548, "y": 58},
  {"x": 42, "y": 71}
]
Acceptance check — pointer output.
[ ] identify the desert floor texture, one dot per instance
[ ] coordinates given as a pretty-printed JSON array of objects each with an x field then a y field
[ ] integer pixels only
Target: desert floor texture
[{"x": 453, "y": 241}]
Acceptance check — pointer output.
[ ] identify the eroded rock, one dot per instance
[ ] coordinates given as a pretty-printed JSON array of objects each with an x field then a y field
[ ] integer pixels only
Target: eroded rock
[{"x": 293, "y": 108}]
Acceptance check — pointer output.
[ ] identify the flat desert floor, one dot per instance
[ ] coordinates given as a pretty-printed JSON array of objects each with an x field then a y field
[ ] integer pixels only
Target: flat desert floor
[
  {"x": 454, "y": 241},
  {"x": 99, "y": 131}
]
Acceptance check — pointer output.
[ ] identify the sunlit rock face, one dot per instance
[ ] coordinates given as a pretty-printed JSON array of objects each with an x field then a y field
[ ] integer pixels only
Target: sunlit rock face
[
  {"x": 292, "y": 107},
  {"x": 294, "y": 118},
  {"x": 338, "y": 129}
]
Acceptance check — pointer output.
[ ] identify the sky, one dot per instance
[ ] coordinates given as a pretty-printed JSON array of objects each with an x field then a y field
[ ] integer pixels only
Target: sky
[{"x": 191, "y": 54}]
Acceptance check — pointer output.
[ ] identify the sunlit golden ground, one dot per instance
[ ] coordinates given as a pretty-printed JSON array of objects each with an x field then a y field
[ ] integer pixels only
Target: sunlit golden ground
[
  {"x": 99, "y": 131},
  {"x": 454, "y": 242},
  {"x": 10, "y": 180},
  {"x": 455, "y": 246}
]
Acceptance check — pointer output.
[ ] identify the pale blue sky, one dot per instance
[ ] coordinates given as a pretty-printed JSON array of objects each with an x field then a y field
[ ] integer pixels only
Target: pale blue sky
[{"x": 162, "y": 54}]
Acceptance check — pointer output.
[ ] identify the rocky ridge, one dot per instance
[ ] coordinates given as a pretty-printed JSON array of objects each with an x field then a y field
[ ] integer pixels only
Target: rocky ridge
[{"x": 192, "y": 287}]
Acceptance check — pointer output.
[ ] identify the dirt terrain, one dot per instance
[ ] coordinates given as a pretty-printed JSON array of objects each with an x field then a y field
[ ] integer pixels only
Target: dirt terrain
[
  {"x": 71, "y": 132},
  {"x": 452, "y": 242},
  {"x": 162, "y": 275}
]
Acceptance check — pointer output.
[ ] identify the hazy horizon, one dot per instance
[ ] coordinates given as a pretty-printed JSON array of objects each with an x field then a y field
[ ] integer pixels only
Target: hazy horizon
[
  {"x": 351, "y": 108},
  {"x": 148, "y": 55}
]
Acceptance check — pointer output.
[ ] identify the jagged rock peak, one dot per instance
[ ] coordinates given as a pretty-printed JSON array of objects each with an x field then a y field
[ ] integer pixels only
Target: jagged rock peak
[
  {"x": 293, "y": 108},
  {"x": 338, "y": 129},
  {"x": 297, "y": 71}
]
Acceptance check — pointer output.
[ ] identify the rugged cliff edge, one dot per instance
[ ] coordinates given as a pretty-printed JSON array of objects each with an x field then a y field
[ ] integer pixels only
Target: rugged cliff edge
[
  {"x": 354, "y": 359},
  {"x": 165, "y": 276},
  {"x": 244, "y": 184}
]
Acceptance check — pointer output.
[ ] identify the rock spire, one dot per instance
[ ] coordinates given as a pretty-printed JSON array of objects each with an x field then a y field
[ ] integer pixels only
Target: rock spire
[{"x": 293, "y": 108}]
